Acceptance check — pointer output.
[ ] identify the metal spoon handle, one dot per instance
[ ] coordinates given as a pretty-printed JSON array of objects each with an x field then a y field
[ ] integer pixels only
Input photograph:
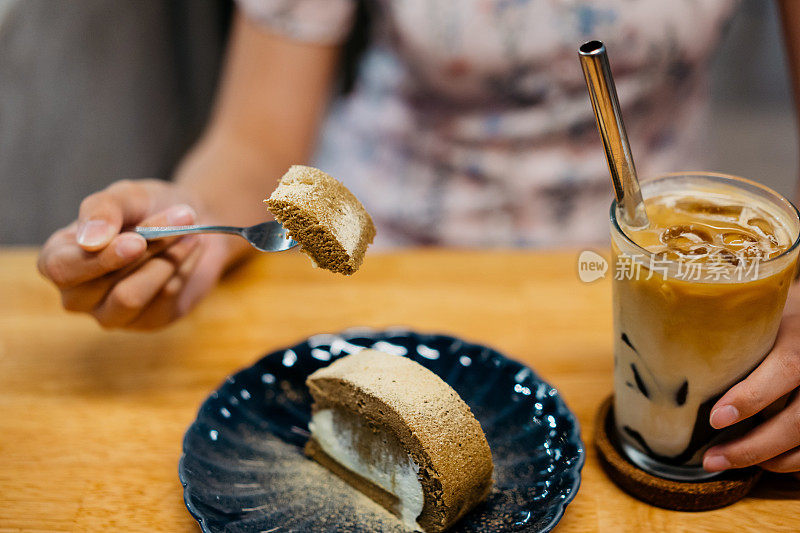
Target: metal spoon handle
[
  {"x": 603, "y": 94},
  {"x": 159, "y": 232}
]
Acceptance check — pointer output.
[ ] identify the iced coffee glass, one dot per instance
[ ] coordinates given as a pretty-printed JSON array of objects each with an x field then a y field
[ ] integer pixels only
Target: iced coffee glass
[{"x": 697, "y": 298}]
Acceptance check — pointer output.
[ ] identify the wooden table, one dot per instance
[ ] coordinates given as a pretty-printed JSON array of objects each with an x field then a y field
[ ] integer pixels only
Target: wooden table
[{"x": 91, "y": 421}]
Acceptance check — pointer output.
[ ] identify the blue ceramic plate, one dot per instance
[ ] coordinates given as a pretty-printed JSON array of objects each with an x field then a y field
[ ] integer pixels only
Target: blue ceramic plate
[{"x": 243, "y": 467}]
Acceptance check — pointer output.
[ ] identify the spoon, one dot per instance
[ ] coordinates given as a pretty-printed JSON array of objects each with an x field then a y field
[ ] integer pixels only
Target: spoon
[{"x": 265, "y": 237}]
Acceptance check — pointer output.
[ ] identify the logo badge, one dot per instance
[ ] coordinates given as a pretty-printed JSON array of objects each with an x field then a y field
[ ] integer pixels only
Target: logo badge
[{"x": 591, "y": 266}]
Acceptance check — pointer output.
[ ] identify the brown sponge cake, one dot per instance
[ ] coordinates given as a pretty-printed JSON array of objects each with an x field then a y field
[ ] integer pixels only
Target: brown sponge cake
[
  {"x": 324, "y": 217},
  {"x": 394, "y": 430}
]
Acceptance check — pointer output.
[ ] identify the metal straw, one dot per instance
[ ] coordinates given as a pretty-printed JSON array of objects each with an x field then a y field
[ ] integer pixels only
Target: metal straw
[{"x": 605, "y": 103}]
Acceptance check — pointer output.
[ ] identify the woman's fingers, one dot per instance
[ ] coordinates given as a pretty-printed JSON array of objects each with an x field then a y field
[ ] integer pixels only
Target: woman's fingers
[
  {"x": 163, "y": 309},
  {"x": 114, "y": 274},
  {"x": 87, "y": 295},
  {"x": 68, "y": 265},
  {"x": 193, "y": 280},
  {"x": 94, "y": 276},
  {"x": 206, "y": 274},
  {"x": 128, "y": 298},
  {"x": 103, "y": 214},
  {"x": 777, "y": 435},
  {"x": 785, "y": 462},
  {"x": 777, "y": 375},
  {"x": 176, "y": 215}
]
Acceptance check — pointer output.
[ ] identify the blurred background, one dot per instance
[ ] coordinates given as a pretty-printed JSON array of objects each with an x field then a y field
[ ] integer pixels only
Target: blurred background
[
  {"x": 75, "y": 117},
  {"x": 752, "y": 129}
]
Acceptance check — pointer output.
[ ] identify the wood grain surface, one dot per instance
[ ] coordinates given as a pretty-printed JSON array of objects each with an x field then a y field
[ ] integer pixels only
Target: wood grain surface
[{"x": 91, "y": 421}]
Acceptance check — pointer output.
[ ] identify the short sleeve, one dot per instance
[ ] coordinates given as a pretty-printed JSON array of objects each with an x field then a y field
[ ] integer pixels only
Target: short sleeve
[{"x": 316, "y": 21}]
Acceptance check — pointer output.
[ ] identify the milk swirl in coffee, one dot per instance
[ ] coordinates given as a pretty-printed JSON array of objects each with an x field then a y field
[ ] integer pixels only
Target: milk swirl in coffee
[{"x": 697, "y": 303}]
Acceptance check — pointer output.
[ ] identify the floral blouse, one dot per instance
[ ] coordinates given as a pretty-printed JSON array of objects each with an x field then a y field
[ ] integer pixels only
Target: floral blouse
[{"x": 470, "y": 124}]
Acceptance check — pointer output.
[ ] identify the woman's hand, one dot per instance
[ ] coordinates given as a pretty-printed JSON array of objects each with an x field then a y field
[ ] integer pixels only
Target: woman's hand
[
  {"x": 112, "y": 274},
  {"x": 272, "y": 95},
  {"x": 775, "y": 443}
]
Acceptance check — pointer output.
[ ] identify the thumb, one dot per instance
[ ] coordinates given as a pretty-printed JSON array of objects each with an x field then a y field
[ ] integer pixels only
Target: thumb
[{"x": 103, "y": 213}]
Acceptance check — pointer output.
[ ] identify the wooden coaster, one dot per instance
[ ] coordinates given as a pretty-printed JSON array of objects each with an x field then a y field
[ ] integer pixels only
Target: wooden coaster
[{"x": 718, "y": 492}]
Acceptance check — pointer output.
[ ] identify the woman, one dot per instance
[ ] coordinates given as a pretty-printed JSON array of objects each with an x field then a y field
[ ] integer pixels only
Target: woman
[{"x": 469, "y": 125}]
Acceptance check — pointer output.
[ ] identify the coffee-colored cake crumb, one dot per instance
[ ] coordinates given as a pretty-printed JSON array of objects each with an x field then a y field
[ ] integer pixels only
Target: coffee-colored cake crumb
[
  {"x": 302, "y": 495},
  {"x": 326, "y": 219},
  {"x": 431, "y": 423}
]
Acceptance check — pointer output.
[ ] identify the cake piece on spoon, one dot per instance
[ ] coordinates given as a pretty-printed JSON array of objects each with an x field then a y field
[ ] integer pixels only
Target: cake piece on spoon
[
  {"x": 398, "y": 433},
  {"x": 317, "y": 211}
]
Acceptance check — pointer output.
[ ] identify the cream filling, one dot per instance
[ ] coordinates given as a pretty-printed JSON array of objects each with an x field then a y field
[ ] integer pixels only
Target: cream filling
[{"x": 396, "y": 477}]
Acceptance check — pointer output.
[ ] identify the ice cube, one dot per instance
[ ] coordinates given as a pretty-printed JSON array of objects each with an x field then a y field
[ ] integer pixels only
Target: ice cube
[
  {"x": 764, "y": 228},
  {"x": 738, "y": 239},
  {"x": 684, "y": 236},
  {"x": 761, "y": 226},
  {"x": 726, "y": 256},
  {"x": 667, "y": 254},
  {"x": 751, "y": 251},
  {"x": 698, "y": 250},
  {"x": 701, "y": 207}
]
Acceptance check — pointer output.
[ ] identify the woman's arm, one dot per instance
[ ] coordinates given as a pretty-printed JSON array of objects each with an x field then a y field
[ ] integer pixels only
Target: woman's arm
[{"x": 271, "y": 97}]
